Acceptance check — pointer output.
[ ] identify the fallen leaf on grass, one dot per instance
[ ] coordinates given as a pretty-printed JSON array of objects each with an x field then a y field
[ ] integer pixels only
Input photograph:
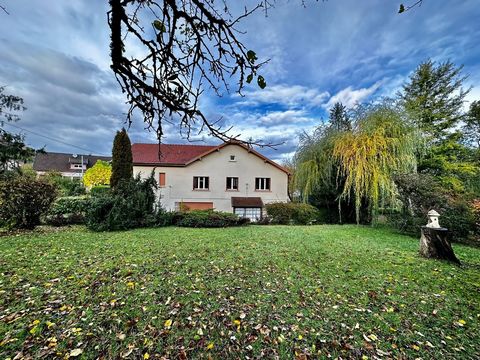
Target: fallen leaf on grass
[{"x": 75, "y": 352}]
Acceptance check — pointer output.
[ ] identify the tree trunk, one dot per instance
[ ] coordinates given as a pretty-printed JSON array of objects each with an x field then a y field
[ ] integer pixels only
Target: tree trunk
[{"x": 434, "y": 244}]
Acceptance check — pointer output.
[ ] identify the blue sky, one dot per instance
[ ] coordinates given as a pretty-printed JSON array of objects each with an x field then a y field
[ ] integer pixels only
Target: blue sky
[{"x": 55, "y": 55}]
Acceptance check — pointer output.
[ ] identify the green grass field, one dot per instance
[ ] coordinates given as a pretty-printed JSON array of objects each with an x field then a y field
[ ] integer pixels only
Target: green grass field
[{"x": 256, "y": 292}]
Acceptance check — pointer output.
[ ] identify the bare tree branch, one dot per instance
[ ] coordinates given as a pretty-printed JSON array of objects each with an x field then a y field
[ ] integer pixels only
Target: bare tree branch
[
  {"x": 189, "y": 45},
  {"x": 4, "y": 9},
  {"x": 404, "y": 8},
  {"x": 166, "y": 53}
]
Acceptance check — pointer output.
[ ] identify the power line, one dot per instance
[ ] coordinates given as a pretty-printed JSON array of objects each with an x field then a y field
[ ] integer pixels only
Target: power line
[{"x": 53, "y": 139}]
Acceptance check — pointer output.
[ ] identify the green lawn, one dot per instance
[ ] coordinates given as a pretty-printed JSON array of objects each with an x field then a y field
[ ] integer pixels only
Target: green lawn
[{"x": 256, "y": 292}]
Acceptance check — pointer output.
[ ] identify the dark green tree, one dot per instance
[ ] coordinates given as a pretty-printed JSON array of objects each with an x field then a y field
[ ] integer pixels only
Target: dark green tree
[
  {"x": 122, "y": 167},
  {"x": 339, "y": 119},
  {"x": 434, "y": 96},
  {"x": 13, "y": 150},
  {"x": 472, "y": 125}
]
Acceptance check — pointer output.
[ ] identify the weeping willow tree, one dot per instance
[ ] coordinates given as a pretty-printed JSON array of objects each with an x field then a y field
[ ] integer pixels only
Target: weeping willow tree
[
  {"x": 314, "y": 162},
  {"x": 360, "y": 163}
]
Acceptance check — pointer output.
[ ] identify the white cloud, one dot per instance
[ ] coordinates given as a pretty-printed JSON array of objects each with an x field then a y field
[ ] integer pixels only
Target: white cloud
[
  {"x": 293, "y": 96},
  {"x": 349, "y": 97},
  {"x": 285, "y": 117}
]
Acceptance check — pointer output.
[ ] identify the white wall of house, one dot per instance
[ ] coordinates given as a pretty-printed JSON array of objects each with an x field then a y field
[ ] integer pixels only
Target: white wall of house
[
  {"x": 218, "y": 166},
  {"x": 71, "y": 175}
]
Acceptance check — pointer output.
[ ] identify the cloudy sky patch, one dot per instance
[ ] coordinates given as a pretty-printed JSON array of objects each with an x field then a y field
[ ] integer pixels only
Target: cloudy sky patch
[{"x": 55, "y": 54}]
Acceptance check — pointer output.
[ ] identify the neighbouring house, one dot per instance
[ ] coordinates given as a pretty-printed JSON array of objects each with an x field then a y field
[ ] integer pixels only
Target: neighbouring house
[
  {"x": 229, "y": 177},
  {"x": 68, "y": 165}
]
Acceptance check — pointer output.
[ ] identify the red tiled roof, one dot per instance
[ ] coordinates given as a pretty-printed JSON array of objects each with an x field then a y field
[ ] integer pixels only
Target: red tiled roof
[
  {"x": 182, "y": 155},
  {"x": 171, "y": 154}
]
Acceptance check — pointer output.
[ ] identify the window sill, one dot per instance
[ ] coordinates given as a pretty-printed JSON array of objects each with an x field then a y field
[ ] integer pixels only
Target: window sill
[
  {"x": 201, "y": 190},
  {"x": 263, "y": 190},
  {"x": 231, "y": 190}
]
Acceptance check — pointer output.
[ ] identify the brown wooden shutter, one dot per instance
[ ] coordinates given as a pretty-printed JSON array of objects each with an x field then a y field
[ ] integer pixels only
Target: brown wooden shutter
[{"x": 161, "y": 180}]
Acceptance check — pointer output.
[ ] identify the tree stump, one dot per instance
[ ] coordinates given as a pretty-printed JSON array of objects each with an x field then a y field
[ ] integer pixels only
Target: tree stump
[{"x": 434, "y": 244}]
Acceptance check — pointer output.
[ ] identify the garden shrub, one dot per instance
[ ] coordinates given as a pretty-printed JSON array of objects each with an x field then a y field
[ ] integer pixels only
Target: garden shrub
[
  {"x": 67, "y": 210},
  {"x": 65, "y": 185},
  {"x": 475, "y": 205},
  {"x": 165, "y": 218},
  {"x": 98, "y": 174},
  {"x": 420, "y": 193},
  {"x": 292, "y": 213},
  {"x": 129, "y": 206},
  {"x": 99, "y": 190},
  {"x": 209, "y": 219},
  {"x": 97, "y": 213},
  {"x": 24, "y": 200}
]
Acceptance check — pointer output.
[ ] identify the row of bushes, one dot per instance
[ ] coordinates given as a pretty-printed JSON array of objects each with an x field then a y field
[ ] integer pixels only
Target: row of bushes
[{"x": 24, "y": 201}]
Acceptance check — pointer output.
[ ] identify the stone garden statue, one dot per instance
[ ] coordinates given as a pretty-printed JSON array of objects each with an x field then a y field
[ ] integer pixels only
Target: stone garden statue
[
  {"x": 434, "y": 241},
  {"x": 433, "y": 219}
]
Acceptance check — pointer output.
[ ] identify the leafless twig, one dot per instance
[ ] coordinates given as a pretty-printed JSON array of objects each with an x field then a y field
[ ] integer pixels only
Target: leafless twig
[{"x": 189, "y": 45}]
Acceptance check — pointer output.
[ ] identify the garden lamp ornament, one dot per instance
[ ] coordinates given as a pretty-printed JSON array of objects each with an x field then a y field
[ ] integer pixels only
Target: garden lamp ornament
[{"x": 433, "y": 219}]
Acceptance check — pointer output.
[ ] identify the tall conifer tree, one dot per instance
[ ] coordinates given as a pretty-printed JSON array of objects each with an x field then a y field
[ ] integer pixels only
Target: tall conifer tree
[{"x": 122, "y": 166}]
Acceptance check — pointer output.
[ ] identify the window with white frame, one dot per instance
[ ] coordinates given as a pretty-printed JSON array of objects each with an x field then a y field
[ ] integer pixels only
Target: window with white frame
[
  {"x": 232, "y": 183},
  {"x": 200, "y": 183},
  {"x": 252, "y": 213},
  {"x": 262, "y": 184}
]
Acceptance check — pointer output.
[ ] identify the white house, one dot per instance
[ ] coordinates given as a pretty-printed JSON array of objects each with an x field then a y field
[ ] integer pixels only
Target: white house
[{"x": 229, "y": 177}]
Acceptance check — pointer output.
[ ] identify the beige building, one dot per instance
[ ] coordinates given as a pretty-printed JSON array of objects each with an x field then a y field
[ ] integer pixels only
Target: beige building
[{"x": 230, "y": 177}]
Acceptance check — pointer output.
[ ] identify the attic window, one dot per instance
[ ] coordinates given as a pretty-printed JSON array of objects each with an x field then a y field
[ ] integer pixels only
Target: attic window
[{"x": 232, "y": 158}]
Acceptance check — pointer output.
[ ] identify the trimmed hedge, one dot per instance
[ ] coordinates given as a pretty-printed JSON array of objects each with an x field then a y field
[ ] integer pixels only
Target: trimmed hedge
[
  {"x": 292, "y": 213},
  {"x": 208, "y": 219},
  {"x": 67, "y": 211}
]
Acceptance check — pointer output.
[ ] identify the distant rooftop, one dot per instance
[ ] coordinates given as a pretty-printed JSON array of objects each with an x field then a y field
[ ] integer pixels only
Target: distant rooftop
[{"x": 54, "y": 161}]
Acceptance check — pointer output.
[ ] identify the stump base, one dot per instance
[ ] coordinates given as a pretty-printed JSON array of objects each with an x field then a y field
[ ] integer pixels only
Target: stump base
[{"x": 434, "y": 244}]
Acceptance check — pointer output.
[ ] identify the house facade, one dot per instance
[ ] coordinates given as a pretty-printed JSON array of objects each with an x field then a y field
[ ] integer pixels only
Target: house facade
[
  {"x": 68, "y": 165},
  {"x": 230, "y": 177}
]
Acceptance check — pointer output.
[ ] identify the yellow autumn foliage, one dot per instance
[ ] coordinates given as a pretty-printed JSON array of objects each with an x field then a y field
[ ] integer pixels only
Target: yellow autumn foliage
[
  {"x": 98, "y": 174},
  {"x": 360, "y": 163}
]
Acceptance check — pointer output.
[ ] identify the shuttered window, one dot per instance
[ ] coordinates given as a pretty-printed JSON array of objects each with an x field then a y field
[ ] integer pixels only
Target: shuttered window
[{"x": 161, "y": 180}]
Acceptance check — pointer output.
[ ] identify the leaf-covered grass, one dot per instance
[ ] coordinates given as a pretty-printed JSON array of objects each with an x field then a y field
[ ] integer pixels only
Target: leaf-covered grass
[{"x": 257, "y": 292}]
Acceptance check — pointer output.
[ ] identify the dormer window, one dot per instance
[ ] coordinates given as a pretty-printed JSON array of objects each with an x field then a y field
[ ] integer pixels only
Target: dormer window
[{"x": 232, "y": 158}]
